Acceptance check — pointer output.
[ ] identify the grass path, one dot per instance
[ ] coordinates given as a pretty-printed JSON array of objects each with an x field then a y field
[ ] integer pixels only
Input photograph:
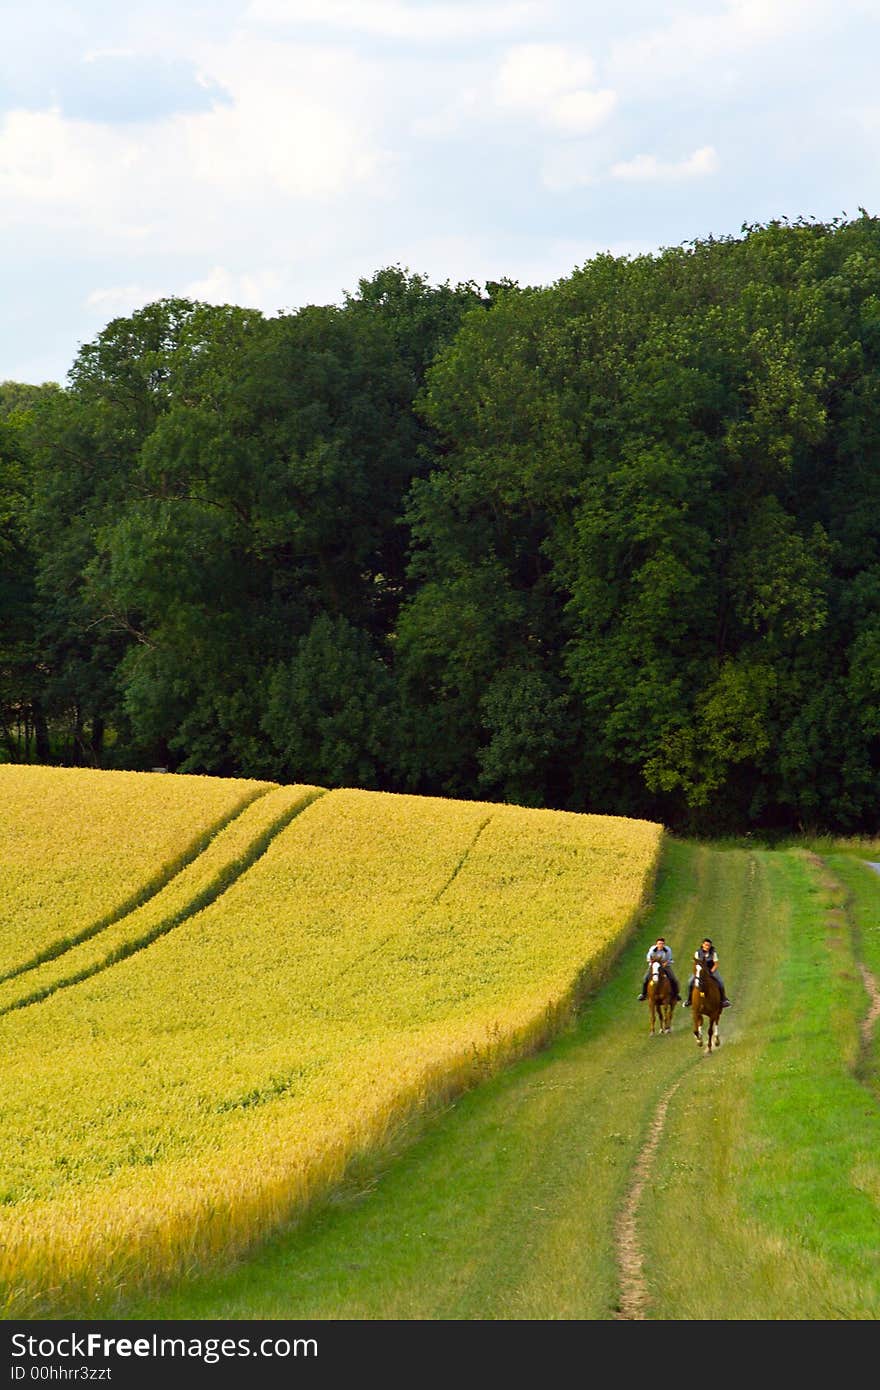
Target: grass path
[
  {"x": 766, "y": 1196},
  {"x": 506, "y": 1205},
  {"x": 634, "y": 1292},
  {"x": 746, "y": 1184}
]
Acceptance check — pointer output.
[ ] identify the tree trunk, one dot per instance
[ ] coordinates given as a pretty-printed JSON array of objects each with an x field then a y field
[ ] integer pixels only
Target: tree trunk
[
  {"x": 97, "y": 739},
  {"x": 9, "y": 741},
  {"x": 41, "y": 733}
]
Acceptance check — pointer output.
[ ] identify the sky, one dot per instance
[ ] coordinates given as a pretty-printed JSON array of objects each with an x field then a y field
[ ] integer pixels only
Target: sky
[{"x": 272, "y": 153}]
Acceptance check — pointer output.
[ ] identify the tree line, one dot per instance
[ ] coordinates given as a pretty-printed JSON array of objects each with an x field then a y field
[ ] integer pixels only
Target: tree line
[{"x": 611, "y": 544}]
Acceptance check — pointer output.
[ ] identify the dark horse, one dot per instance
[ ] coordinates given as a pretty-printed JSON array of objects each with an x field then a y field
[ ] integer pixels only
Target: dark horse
[
  {"x": 661, "y": 997},
  {"x": 706, "y": 1003}
]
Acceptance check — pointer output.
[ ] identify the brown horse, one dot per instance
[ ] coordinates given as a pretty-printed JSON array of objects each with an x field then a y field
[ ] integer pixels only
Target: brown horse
[
  {"x": 706, "y": 1003},
  {"x": 661, "y": 998}
]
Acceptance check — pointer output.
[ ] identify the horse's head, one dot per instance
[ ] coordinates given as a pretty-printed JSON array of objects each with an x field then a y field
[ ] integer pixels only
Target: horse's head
[
  {"x": 703, "y": 977},
  {"x": 659, "y": 979}
]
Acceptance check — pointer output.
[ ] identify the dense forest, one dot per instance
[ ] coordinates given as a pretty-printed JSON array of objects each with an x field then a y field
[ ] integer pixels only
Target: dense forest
[{"x": 611, "y": 544}]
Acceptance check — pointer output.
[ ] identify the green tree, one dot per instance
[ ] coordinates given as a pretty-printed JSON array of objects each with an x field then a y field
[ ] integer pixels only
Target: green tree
[
  {"x": 329, "y": 709},
  {"x": 670, "y": 461}
]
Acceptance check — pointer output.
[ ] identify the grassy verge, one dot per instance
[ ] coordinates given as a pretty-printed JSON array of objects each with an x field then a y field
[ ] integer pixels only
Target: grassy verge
[{"x": 861, "y": 887}]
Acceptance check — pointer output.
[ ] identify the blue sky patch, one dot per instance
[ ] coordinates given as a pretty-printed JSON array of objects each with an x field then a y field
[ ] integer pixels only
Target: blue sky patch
[{"x": 121, "y": 88}]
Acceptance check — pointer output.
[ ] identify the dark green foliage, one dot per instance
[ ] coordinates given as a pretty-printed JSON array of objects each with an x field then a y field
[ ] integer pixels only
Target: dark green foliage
[
  {"x": 329, "y": 712},
  {"x": 610, "y": 545},
  {"x": 23, "y": 728},
  {"x": 682, "y": 440}
]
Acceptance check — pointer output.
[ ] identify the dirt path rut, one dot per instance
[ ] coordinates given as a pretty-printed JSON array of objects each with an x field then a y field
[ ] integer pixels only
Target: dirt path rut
[{"x": 630, "y": 1261}]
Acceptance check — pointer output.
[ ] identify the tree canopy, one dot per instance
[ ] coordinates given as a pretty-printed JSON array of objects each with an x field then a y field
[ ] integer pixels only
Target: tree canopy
[{"x": 612, "y": 544}]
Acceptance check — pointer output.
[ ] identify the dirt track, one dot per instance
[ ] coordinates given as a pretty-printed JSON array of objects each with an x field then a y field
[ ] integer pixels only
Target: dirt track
[{"x": 633, "y": 1290}]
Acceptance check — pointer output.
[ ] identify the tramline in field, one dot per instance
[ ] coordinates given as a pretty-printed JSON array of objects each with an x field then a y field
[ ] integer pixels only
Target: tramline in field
[
  {"x": 380, "y": 952},
  {"x": 81, "y": 848}
]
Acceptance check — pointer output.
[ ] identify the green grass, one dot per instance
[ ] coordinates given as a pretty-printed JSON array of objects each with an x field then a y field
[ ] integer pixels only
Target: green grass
[
  {"x": 861, "y": 887},
  {"x": 769, "y": 1175}
]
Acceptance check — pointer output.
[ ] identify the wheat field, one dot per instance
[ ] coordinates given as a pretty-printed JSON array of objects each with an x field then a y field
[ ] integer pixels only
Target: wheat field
[{"x": 233, "y": 1045}]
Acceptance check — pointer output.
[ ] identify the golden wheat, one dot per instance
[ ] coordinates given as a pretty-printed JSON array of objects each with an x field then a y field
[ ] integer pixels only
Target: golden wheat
[
  {"x": 384, "y": 951},
  {"x": 78, "y": 848},
  {"x": 228, "y": 854}
]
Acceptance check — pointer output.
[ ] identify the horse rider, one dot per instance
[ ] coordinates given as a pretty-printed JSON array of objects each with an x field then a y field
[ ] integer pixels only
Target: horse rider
[
  {"x": 708, "y": 956},
  {"x": 663, "y": 953}
]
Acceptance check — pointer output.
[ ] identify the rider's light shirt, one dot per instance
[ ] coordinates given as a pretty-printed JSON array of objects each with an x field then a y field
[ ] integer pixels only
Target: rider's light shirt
[{"x": 661, "y": 953}]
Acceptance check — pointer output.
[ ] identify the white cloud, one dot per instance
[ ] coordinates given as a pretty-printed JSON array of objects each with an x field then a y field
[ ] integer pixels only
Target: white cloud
[
  {"x": 465, "y": 107},
  {"x": 701, "y": 46},
  {"x": 258, "y": 289},
  {"x": 553, "y": 83},
  {"x": 533, "y": 74},
  {"x": 47, "y": 160},
  {"x": 647, "y": 167},
  {"x": 576, "y": 165},
  {"x": 254, "y": 289},
  {"x": 577, "y": 113},
  {"x": 302, "y": 126},
  {"x": 117, "y": 301},
  {"x": 303, "y": 121},
  {"x": 302, "y": 148},
  {"x": 541, "y": 83},
  {"x": 398, "y": 20}
]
